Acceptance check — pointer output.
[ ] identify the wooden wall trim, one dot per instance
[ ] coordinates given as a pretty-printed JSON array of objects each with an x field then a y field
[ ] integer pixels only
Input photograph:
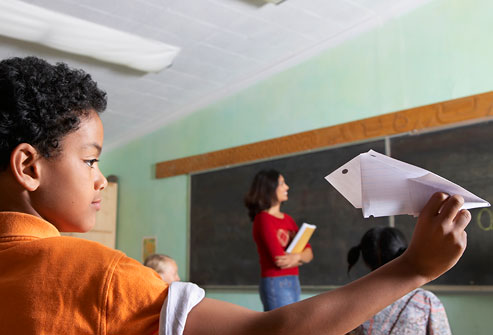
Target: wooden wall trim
[{"x": 414, "y": 119}]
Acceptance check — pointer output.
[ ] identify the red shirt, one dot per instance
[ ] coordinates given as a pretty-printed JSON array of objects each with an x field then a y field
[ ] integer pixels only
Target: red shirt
[{"x": 272, "y": 236}]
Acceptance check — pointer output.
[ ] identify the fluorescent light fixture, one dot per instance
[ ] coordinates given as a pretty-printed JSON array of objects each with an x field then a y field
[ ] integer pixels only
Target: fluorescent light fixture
[{"x": 26, "y": 22}]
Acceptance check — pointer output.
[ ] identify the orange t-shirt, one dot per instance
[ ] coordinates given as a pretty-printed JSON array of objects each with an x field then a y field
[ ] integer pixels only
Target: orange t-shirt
[{"x": 52, "y": 284}]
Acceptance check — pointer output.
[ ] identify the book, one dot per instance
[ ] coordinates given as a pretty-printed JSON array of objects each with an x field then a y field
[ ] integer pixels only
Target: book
[{"x": 301, "y": 238}]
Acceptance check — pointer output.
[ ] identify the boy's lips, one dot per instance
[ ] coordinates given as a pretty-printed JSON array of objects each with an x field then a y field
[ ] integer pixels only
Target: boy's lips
[{"x": 96, "y": 204}]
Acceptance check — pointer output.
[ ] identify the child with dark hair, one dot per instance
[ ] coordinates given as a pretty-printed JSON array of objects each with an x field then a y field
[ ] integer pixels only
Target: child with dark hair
[
  {"x": 51, "y": 137},
  {"x": 273, "y": 230},
  {"x": 41, "y": 104},
  {"x": 378, "y": 246},
  {"x": 419, "y": 312}
]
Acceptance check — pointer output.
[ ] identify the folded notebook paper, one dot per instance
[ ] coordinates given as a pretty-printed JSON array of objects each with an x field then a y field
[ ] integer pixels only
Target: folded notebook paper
[{"x": 383, "y": 186}]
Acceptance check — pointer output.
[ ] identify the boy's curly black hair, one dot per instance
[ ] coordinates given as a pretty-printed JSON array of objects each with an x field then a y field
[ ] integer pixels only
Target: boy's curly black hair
[{"x": 41, "y": 103}]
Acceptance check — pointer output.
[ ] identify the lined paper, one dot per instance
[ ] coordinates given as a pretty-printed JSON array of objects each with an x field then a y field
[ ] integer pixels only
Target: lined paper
[{"x": 383, "y": 186}]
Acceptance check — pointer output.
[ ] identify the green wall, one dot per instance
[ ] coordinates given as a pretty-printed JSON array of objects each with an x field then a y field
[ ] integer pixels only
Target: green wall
[{"x": 438, "y": 52}]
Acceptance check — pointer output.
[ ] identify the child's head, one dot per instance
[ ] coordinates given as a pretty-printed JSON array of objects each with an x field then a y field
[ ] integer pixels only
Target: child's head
[
  {"x": 51, "y": 138},
  {"x": 378, "y": 246},
  {"x": 164, "y": 265},
  {"x": 262, "y": 194}
]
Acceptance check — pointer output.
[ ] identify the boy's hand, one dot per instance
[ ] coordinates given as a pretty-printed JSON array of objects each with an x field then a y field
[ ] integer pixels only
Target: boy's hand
[{"x": 439, "y": 238}]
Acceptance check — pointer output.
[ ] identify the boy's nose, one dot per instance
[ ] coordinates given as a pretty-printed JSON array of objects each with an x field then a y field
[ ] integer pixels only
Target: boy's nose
[{"x": 101, "y": 182}]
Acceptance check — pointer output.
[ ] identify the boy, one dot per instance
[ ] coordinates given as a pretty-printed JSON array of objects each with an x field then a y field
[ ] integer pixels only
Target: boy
[
  {"x": 165, "y": 267},
  {"x": 51, "y": 138}
]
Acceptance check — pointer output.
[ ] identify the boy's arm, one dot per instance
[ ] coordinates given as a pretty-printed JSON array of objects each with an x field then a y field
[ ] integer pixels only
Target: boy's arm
[{"x": 438, "y": 242}]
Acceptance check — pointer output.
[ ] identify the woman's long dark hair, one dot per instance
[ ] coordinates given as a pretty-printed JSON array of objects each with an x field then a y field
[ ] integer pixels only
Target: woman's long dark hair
[
  {"x": 262, "y": 192},
  {"x": 378, "y": 246}
]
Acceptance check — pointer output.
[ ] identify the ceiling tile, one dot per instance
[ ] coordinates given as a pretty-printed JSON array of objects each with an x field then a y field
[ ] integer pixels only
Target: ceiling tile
[{"x": 225, "y": 45}]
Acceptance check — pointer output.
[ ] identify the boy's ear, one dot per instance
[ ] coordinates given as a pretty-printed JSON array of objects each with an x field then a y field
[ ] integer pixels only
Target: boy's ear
[{"x": 24, "y": 164}]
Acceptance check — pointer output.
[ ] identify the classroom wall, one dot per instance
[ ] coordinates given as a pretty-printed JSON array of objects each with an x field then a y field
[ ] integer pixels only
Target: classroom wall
[{"x": 440, "y": 51}]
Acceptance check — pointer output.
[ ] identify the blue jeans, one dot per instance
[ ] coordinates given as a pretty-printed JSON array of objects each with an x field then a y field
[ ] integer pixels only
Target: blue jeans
[{"x": 279, "y": 291}]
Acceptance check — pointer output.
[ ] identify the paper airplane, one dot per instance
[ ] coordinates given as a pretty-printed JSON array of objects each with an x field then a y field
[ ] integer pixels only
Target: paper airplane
[{"x": 383, "y": 186}]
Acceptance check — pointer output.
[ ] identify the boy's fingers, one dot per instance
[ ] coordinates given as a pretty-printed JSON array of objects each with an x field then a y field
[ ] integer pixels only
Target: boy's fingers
[
  {"x": 451, "y": 207},
  {"x": 462, "y": 219},
  {"x": 434, "y": 204},
  {"x": 464, "y": 239}
]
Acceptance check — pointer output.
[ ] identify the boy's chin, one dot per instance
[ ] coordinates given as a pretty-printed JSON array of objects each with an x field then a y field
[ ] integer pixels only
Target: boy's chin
[{"x": 76, "y": 227}]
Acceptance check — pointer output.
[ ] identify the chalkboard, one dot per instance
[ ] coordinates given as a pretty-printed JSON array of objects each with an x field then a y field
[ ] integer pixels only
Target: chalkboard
[
  {"x": 465, "y": 156},
  {"x": 222, "y": 249}
]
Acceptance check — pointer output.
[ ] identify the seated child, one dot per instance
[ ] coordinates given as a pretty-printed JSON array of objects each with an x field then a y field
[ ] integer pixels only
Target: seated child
[
  {"x": 164, "y": 265},
  {"x": 419, "y": 312},
  {"x": 51, "y": 137}
]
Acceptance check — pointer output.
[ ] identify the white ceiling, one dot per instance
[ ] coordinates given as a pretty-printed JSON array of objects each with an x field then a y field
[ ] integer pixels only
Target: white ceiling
[{"x": 226, "y": 45}]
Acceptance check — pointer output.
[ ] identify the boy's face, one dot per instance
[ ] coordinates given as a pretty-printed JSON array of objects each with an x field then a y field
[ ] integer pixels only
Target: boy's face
[{"x": 68, "y": 195}]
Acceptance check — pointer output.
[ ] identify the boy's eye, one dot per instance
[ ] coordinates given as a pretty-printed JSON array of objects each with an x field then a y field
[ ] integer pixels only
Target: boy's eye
[{"x": 91, "y": 162}]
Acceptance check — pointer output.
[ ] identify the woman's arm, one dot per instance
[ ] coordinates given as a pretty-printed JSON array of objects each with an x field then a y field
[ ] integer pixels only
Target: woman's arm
[
  {"x": 438, "y": 242},
  {"x": 267, "y": 232},
  {"x": 288, "y": 260},
  {"x": 306, "y": 256},
  {"x": 292, "y": 260}
]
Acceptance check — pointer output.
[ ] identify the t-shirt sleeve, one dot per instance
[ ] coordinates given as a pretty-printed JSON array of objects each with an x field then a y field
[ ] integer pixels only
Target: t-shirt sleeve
[
  {"x": 133, "y": 298},
  {"x": 182, "y": 297},
  {"x": 268, "y": 236}
]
